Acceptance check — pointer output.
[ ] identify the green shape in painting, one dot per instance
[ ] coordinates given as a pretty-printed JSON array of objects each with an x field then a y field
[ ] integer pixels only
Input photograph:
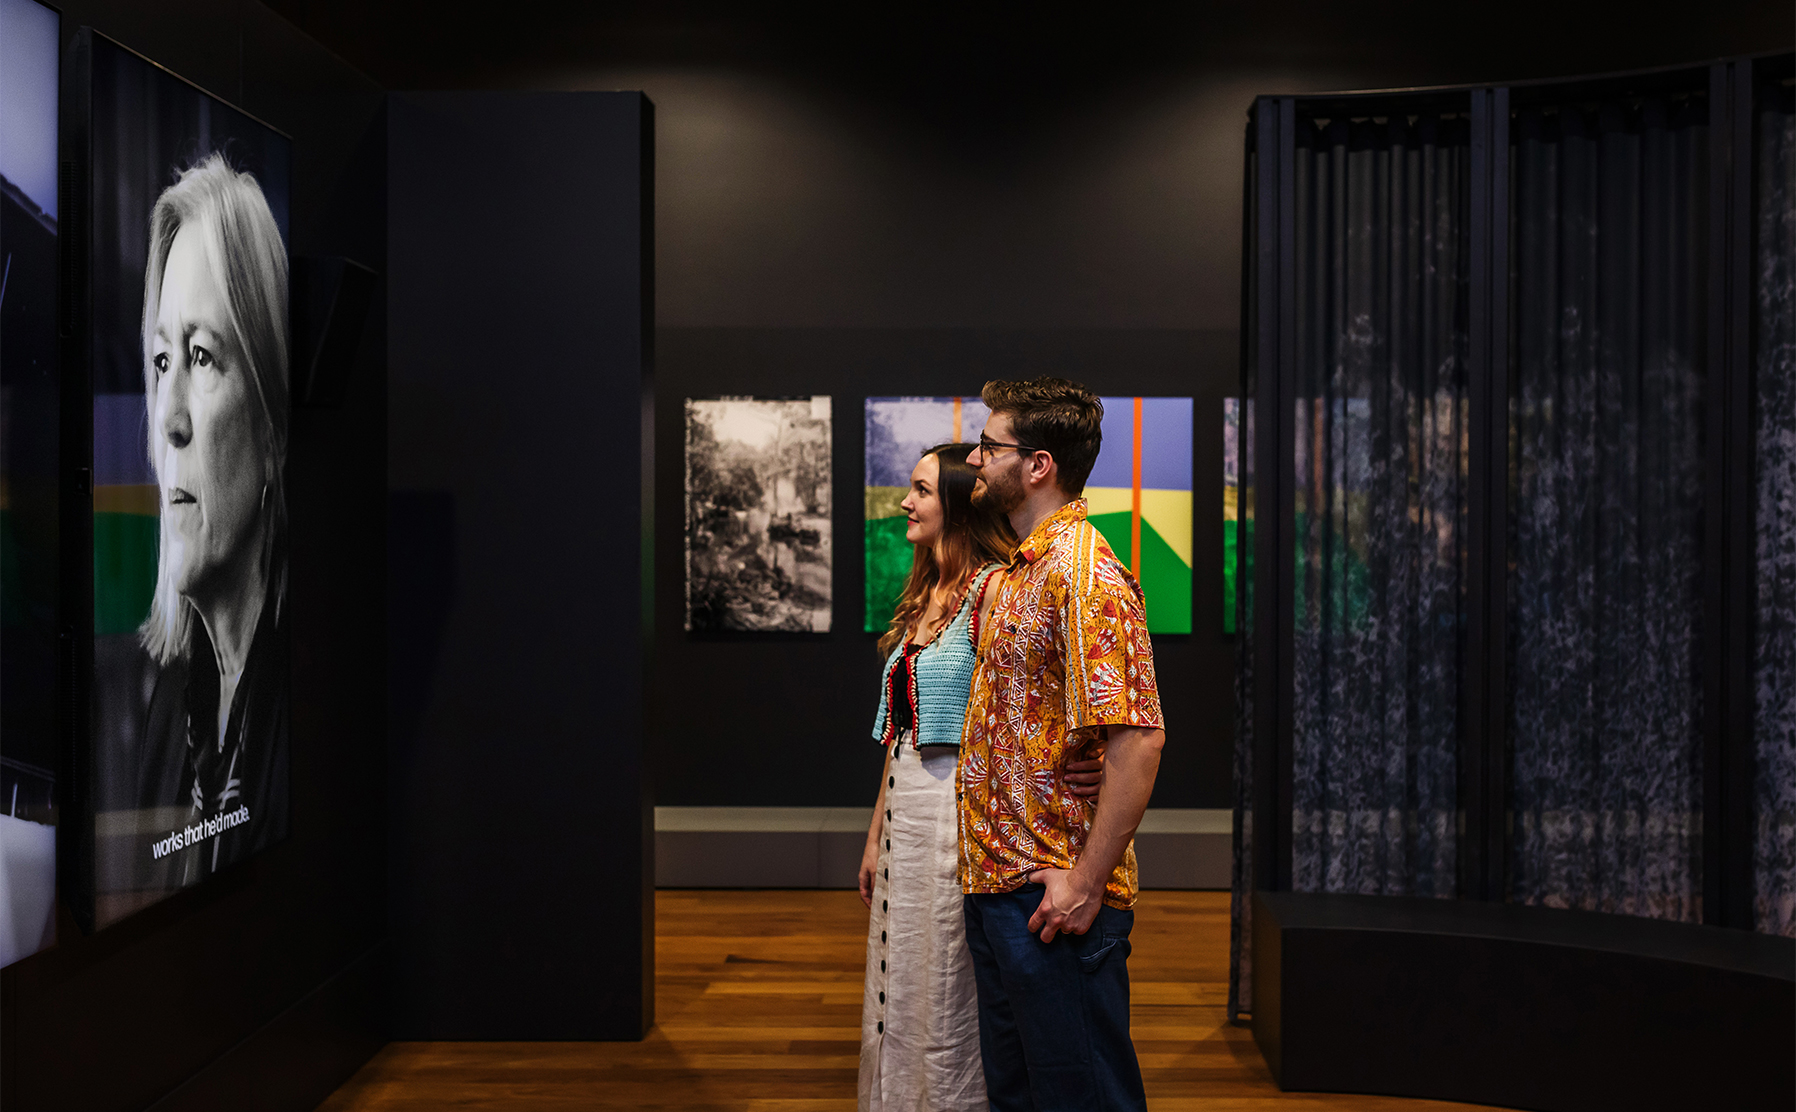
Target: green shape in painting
[
  {"x": 1228, "y": 577},
  {"x": 888, "y": 563},
  {"x": 1165, "y": 579},
  {"x": 124, "y": 570}
]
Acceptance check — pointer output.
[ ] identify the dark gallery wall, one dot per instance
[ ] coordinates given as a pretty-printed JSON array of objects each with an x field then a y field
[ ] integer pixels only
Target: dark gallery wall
[
  {"x": 786, "y": 718},
  {"x": 911, "y": 200},
  {"x": 519, "y": 229},
  {"x": 265, "y": 980}
]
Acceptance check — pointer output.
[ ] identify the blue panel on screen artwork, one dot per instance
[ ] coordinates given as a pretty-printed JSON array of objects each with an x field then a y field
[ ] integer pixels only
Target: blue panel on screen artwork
[{"x": 121, "y": 424}]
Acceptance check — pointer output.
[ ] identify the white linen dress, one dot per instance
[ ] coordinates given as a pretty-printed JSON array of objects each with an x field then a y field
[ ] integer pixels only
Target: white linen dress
[{"x": 920, "y": 1010}]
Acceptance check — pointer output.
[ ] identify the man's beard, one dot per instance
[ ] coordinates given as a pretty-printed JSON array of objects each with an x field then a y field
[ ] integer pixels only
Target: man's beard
[{"x": 1000, "y": 493}]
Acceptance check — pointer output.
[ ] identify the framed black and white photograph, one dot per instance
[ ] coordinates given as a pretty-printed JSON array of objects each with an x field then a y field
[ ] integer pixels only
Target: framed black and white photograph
[
  {"x": 758, "y": 538},
  {"x": 187, "y": 281}
]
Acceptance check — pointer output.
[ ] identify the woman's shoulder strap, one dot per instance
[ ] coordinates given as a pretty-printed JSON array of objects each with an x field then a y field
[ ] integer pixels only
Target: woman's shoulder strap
[
  {"x": 976, "y": 598},
  {"x": 975, "y": 590}
]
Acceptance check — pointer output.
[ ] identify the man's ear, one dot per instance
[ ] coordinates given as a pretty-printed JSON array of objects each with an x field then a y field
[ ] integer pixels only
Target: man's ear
[{"x": 1043, "y": 469}]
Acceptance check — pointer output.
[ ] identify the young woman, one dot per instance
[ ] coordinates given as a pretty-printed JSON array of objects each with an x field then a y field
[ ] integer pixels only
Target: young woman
[{"x": 919, "y": 1013}]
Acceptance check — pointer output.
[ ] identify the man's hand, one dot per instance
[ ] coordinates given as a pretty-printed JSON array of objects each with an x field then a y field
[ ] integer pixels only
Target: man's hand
[
  {"x": 1072, "y": 899},
  {"x": 1065, "y": 907},
  {"x": 1084, "y": 778}
]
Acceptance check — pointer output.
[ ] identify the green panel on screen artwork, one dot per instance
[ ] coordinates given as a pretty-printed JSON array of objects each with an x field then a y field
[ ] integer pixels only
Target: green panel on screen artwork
[
  {"x": 124, "y": 570},
  {"x": 888, "y": 562},
  {"x": 1165, "y": 579}
]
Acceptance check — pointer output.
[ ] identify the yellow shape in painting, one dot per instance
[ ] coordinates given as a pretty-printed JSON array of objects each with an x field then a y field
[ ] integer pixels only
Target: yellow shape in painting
[
  {"x": 883, "y": 502},
  {"x": 1168, "y": 510}
]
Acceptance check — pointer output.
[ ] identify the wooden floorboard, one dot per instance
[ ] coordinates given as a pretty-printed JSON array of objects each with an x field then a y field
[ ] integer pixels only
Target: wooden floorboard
[{"x": 758, "y": 1000}]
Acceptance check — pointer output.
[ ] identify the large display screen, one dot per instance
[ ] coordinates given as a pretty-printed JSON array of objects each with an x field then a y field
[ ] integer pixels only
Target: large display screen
[
  {"x": 29, "y": 49},
  {"x": 188, "y": 279}
]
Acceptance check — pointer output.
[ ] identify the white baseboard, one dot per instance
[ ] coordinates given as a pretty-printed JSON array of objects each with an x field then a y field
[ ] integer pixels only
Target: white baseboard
[{"x": 820, "y": 847}]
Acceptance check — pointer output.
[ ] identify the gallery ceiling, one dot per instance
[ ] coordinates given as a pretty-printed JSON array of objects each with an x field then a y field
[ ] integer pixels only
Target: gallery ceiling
[{"x": 968, "y": 53}]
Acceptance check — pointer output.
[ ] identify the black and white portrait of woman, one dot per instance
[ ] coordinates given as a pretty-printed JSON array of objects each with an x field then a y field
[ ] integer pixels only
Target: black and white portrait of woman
[
  {"x": 215, "y": 389},
  {"x": 191, "y": 690}
]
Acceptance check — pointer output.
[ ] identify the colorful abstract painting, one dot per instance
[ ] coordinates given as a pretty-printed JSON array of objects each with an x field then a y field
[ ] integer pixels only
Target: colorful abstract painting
[
  {"x": 1231, "y": 501},
  {"x": 1139, "y": 493},
  {"x": 1139, "y": 496},
  {"x": 898, "y": 431}
]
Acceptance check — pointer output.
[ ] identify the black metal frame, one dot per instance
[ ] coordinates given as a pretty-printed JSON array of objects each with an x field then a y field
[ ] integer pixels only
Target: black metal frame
[
  {"x": 1728, "y": 554},
  {"x": 1273, "y": 120},
  {"x": 1483, "y": 758}
]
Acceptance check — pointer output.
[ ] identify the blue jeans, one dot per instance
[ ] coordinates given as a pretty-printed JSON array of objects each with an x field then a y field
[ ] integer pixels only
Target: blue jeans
[{"x": 1053, "y": 1017}]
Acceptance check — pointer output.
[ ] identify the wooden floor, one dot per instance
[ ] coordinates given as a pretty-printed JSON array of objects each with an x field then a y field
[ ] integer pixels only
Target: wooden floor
[{"x": 758, "y": 1008}]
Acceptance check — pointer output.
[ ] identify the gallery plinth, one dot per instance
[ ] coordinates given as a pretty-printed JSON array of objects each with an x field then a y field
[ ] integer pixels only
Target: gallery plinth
[{"x": 1521, "y": 1007}]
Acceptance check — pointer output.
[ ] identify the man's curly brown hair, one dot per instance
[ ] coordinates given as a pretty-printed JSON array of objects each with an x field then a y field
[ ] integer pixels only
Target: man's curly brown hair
[{"x": 1056, "y": 416}]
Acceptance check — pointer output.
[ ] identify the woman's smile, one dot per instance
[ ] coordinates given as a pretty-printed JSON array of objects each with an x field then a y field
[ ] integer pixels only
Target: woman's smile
[{"x": 922, "y": 505}]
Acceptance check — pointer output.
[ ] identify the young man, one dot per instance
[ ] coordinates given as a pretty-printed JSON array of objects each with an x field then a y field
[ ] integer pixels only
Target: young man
[{"x": 1065, "y": 669}]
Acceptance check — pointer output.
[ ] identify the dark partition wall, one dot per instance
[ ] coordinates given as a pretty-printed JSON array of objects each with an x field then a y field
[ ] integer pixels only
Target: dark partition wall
[
  {"x": 519, "y": 280},
  {"x": 266, "y": 979}
]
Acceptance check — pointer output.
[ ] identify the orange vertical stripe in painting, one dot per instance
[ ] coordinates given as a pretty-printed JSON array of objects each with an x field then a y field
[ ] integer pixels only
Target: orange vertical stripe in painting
[
  {"x": 956, "y": 439},
  {"x": 1135, "y": 496}
]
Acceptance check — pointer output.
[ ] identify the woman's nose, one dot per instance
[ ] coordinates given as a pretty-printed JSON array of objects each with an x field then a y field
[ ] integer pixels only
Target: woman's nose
[{"x": 177, "y": 422}]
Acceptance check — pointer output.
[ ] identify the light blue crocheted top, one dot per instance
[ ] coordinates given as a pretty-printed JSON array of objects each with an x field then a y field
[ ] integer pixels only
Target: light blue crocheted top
[{"x": 944, "y": 675}]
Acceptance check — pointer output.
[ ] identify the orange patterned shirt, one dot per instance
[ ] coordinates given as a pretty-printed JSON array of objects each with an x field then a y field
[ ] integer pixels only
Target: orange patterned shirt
[{"x": 1066, "y": 653}]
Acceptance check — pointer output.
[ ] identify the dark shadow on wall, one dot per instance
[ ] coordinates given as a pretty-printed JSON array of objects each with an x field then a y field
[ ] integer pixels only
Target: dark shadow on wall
[{"x": 421, "y": 578}]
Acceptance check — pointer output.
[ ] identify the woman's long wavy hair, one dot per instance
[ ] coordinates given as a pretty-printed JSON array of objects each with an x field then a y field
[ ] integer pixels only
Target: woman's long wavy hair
[
  {"x": 243, "y": 244},
  {"x": 973, "y": 537}
]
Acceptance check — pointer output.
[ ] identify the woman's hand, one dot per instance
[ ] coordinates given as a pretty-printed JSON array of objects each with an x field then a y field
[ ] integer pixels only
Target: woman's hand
[
  {"x": 875, "y": 830},
  {"x": 1084, "y": 777},
  {"x": 869, "y": 867}
]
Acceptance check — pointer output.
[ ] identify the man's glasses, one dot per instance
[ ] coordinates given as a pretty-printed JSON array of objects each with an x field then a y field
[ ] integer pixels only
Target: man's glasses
[{"x": 987, "y": 446}]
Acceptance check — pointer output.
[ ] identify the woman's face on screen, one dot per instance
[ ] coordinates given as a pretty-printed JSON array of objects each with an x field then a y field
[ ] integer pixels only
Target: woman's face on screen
[
  {"x": 202, "y": 434},
  {"x": 923, "y": 505}
]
